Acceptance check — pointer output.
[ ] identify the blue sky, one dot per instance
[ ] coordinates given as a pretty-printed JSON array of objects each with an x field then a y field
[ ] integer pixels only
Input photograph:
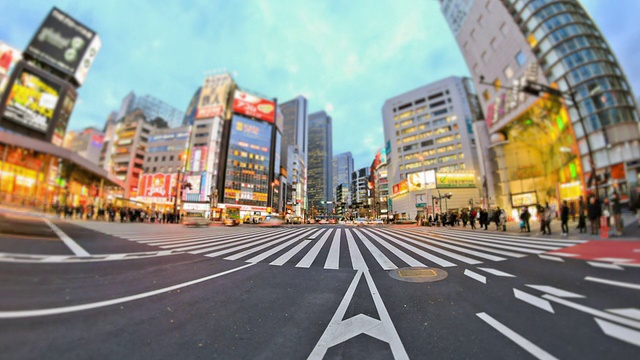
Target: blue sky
[{"x": 346, "y": 57}]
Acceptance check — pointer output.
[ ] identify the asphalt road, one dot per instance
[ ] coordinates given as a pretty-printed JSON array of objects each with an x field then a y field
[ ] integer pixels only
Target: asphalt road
[{"x": 163, "y": 291}]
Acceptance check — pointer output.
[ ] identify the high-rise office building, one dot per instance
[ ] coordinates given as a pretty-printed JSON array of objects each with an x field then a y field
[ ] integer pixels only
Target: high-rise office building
[
  {"x": 360, "y": 192},
  {"x": 380, "y": 191},
  {"x": 294, "y": 154},
  {"x": 342, "y": 167},
  {"x": 319, "y": 177},
  {"x": 547, "y": 149},
  {"x": 152, "y": 108},
  {"x": 428, "y": 135}
]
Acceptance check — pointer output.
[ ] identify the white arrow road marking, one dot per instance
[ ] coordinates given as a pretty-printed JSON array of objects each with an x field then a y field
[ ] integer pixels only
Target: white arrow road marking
[
  {"x": 594, "y": 312},
  {"x": 72, "y": 245},
  {"x": 475, "y": 276},
  {"x": 552, "y": 258},
  {"x": 496, "y": 272},
  {"x": 339, "y": 331},
  {"x": 628, "y": 312},
  {"x": 605, "y": 265},
  {"x": 68, "y": 309},
  {"x": 614, "y": 283},
  {"x": 619, "y": 332},
  {"x": 532, "y": 348},
  {"x": 555, "y": 291},
  {"x": 533, "y": 300}
]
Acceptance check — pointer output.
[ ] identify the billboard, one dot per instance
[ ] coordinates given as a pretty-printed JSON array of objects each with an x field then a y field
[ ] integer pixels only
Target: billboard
[
  {"x": 251, "y": 105},
  {"x": 422, "y": 180},
  {"x": 400, "y": 187},
  {"x": 194, "y": 180},
  {"x": 156, "y": 185},
  {"x": 213, "y": 96},
  {"x": 9, "y": 57},
  {"x": 456, "y": 180},
  {"x": 60, "y": 127},
  {"x": 198, "y": 158},
  {"x": 65, "y": 44},
  {"x": 32, "y": 101}
]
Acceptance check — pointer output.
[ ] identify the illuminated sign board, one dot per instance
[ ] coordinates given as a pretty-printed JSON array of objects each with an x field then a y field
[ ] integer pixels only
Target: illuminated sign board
[
  {"x": 213, "y": 96},
  {"x": 456, "y": 180},
  {"x": 32, "y": 101},
  {"x": 524, "y": 199},
  {"x": 9, "y": 57},
  {"x": 251, "y": 105},
  {"x": 65, "y": 44},
  {"x": 400, "y": 187},
  {"x": 156, "y": 185},
  {"x": 422, "y": 180}
]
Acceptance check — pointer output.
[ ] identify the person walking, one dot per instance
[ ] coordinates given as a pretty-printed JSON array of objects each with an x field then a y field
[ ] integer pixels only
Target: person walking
[
  {"x": 465, "y": 218},
  {"x": 503, "y": 220},
  {"x": 548, "y": 216},
  {"x": 616, "y": 210},
  {"x": 472, "y": 219},
  {"x": 594, "y": 212},
  {"x": 525, "y": 216},
  {"x": 484, "y": 219},
  {"x": 582, "y": 217},
  {"x": 496, "y": 217},
  {"x": 564, "y": 217}
]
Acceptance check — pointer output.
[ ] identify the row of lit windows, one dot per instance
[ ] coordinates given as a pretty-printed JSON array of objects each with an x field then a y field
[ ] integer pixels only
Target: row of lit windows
[
  {"x": 452, "y": 157},
  {"x": 244, "y": 165},
  {"x": 411, "y": 113},
  {"x": 451, "y": 147},
  {"x": 249, "y": 155},
  {"x": 413, "y": 166},
  {"x": 444, "y": 139}
]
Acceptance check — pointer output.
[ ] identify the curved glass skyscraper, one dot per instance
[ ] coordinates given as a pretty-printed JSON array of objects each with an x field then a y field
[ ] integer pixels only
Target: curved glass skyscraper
[{"x": 545, "y": 148}]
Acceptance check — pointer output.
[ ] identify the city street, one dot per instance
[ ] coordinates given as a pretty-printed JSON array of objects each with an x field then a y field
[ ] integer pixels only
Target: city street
[{"x": 79, "y": 289}]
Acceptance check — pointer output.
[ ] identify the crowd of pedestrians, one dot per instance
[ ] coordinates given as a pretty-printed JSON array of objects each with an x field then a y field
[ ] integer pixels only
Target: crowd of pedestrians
[{"x": 111, "y": 213}]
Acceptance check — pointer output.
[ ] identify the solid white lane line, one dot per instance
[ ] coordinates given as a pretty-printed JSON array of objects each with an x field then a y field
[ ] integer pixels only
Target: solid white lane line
[
  {"x": 308, "y": 259},
  {"x": 527, "y": 345},
  {"x": 73, "y": 308},
  {"x": 555, "y": 291},
  {"x": 552, "y": 258},
  {"x": 333, "y": 258},
  {"x": 605, "y": 265},
  {"x": 533, "y": 300},
  {"x": 278, "y": 248},
  {"x": 613, "y": 283},
  {"x": 72, "y": 245},
  {"x": 475, "y": 276},
  {"x": 496, "y": 272},
  {"x": 380, "y": 257},
  {"x": 289, "y": 254},
  {"x": 631, "y": 313},
  {"x": 315, "y": 234},
  {"x": 424, "y": 254},
  {"x": 397, "y": 252},
  {"x": 357, "y": 261},
  {"x": 594, "y": 312},
  {"x": 619, "y": 332},
  {"x": 421, "y": 243}
]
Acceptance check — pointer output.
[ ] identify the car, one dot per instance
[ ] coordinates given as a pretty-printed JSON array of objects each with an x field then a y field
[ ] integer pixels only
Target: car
[
  {"x": 271, "y": 221},
  {"x": 294, "y": 220},
  {"x": 231, "y": 222},
  {"x": 195, "y": 219}
]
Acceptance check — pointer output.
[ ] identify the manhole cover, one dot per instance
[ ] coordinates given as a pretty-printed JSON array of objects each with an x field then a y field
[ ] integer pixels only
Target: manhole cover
[{"x": 417, "y": 274}]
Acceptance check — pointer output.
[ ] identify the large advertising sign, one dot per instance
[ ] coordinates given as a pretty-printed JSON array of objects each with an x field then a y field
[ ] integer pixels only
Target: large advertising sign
[
  {"x": 9, "y": 57},
  {"x": 63, "y": 118},
  {"x": 198, "y": 158},
  {"x": 32, "y": 101},
  {"x": 422, "y": 180},
  {"x": 251, "y": 105},
  {"x": 400, "y": 187},
  {"x": 213, "y": 96},
  {"x": 156, "y": 185},
  {"x": 65, "y": 44},
  {"x": 456, "y": 180}
]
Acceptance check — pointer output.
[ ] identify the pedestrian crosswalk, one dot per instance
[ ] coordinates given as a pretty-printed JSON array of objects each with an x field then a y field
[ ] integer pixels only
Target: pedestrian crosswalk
[{"x": 338, "y": 247}]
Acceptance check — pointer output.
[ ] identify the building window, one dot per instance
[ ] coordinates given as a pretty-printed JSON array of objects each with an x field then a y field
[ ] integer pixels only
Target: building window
[
  {"x": 483, "y": 56},
  {"x": 475, "y": 68},
  {"x": 493, "y": 44},
  {"x": 480, "y": 20},
  {"x": 508, "y": 72},
  {"x": 171, "y": 158},
  {"x": 487, "y": 6},
  {"x": 472, "y": 34},
  {"x": 503, "y": 29},
  {"x": 154, "y": 169},
  {"x": 149, "y": 159},
  {"x": 156, "y": 159},
  {"x": 164, "y": 158},
  {"x": 521, "y": 58}
]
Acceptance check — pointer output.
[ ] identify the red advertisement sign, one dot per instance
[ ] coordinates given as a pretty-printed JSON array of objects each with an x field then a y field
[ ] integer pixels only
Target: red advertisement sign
[
  {"x": 254, "y": 106},
  {"x": 156, "y": 185}
]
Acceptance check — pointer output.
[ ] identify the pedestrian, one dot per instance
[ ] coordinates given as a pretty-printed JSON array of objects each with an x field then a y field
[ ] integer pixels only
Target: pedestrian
[
  {"x": 564, "y": 218},
  {"x": 484, "y": 219},
  {"x": 582, "y": 217},
  {"x": 496, "y": 217},
  {"x": 548, "y": 216},
  {"x": 465, "y": 218},
  {"x": 525, "y": 216},
  {"x": 472, "y": 219},
  {"x": 616, "y": 210},
  {"x": 572, "y": 211},
  {"x": 594, "y": 211},
  {"x": 503, "y": 220}
]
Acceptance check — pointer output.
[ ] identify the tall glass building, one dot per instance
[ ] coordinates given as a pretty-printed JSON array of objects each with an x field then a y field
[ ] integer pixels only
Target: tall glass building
[
  {"x": 294, "y": 154},
  {"x": 547, "y": 149},
  {"x": 342, "y": 168},
  {"x": 320, "y": 179}
]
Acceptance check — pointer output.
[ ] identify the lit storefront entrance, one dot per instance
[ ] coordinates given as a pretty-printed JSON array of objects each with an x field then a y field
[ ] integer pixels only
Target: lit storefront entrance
[
  {"x": 536, "y": 159},
  {"x": 38, "y": 174}
]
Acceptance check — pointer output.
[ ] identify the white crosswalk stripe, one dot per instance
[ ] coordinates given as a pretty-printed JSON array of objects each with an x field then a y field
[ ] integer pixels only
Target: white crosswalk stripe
[{"x": 339, "y": 247}]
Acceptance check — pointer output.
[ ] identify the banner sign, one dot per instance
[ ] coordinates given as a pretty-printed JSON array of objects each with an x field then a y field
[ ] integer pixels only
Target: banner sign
[
  {"x": 213, "y": 96},
  {"x": 456, "y": 180},
  {"x": 32, "y": 101},
  {"x": 422, "y": 180},
  {"x": 251, "y": 105}
]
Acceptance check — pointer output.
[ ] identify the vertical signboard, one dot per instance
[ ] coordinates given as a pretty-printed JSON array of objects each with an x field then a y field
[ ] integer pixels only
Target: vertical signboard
[
  {"x": 213, "y": 96},
  {"x": 64, "y": 44},
  {"x": 9, "y": 57}
]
